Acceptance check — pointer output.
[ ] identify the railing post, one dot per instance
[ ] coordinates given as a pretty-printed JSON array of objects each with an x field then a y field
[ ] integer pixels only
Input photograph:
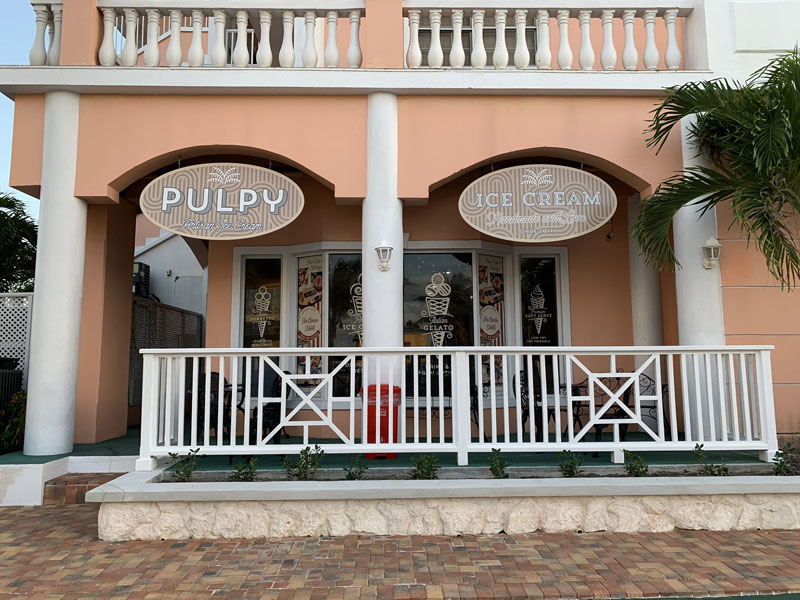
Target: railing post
[
  {"x": 462, "y": 430},
  {"x": 150, "y": 390},
  {"x": 765, "y": 397}
]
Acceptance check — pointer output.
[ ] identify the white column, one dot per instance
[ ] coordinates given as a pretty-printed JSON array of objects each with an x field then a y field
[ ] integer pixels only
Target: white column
[
  {"x": 699, "y": 290},
  {"x": 382, "y": 221},
  {"x": 645, "y": 290},
  {"x": 56, "y": 323}
]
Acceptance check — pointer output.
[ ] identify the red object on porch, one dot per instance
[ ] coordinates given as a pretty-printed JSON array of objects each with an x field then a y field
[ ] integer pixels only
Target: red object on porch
[{"x": 385, "y": 405}]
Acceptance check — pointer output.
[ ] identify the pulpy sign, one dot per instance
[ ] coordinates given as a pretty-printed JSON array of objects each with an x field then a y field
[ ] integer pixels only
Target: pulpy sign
[
  {"x": 222, "y": 201},
  {"x": 537, "y": 203}
]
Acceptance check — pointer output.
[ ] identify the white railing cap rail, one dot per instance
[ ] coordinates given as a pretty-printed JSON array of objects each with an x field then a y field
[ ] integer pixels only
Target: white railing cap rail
[
  {"x": 211, "y": 5},
  {"x": 47, "y": 2},
  {"x": 548, "y": 350},
  {"x": 574, "y": 6}
]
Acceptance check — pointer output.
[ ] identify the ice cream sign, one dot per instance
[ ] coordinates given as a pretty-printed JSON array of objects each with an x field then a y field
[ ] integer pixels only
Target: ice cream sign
[
  {"x": 537, "y": 203},
  {"x": 222, "y": 201}
]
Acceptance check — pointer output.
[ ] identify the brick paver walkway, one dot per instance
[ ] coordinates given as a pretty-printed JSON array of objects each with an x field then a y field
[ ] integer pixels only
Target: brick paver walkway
[{"x": 52, "y": 552}]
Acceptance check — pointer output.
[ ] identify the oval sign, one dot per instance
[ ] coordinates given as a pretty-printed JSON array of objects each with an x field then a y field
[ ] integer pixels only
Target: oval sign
[
  {"x": 537, "y": 203},
  {"x": 222, "y": 201}
]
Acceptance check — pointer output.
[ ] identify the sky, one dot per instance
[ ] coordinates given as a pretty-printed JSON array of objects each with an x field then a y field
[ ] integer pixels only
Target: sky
[{"x": 16, "y": 37}]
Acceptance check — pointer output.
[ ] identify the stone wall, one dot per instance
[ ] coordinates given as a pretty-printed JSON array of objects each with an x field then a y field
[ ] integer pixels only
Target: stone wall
[{"x": 445, "y": 516}]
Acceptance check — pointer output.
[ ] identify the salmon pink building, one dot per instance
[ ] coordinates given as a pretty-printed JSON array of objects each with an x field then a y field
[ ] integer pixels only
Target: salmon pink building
[{"x": 414, "y": 218}]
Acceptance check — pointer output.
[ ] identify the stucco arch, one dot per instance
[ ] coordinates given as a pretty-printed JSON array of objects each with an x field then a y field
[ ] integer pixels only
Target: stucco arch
[
  {"x": 442, "y": 138},
  {"x": 324, "y": 136}
]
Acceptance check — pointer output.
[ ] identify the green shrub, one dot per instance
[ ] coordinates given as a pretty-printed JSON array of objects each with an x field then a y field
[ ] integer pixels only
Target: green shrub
[
  {"x": 306, "y": 465},
  {"x": 425, "y": 467},
  {"x": 707, "y": 468},
  {"x": 787, "y": 460},
  {"x": 12, "y": 423},
  {"x": 570, "y": 464},
  {"x": 356, "y": 469},
  {"x": 185, "y": 465},
  {"x": 244, "y": 471},
  {"x": 635, "y": 465},
  {"x": 497, "y": 465}
]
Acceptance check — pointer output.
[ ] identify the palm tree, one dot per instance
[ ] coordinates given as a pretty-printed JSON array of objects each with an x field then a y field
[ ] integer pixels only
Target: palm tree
[
  {"x": 750, "y": 135},
  {"x": 17, "y": 245}
]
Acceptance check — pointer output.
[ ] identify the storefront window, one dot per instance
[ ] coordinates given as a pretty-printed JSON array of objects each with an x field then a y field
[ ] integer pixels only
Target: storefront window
[
  {"x": 437, "y": 299},
  {"x": 344, "y": 301},
  {"x": 262, "y": 303},
  {"x": 309, "y": 309},
  {"x": 539, "y": 301}
]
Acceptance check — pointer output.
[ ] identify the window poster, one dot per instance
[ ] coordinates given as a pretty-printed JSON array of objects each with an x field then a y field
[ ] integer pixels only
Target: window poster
[
  {"x": 262, "y": 303},
  {"x": 309, "y": 309},
  {"x": 539, "y": 301},
  {"x": 491, "y": 300}
]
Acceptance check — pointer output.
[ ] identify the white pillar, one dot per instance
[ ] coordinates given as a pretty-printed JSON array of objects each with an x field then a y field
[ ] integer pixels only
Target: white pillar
[
  {"x": 50, "y": 421},
  {"x": 645, "y": 290},
  {"x": 382, "y": 221},
  {"x": 699, "y": 290}
]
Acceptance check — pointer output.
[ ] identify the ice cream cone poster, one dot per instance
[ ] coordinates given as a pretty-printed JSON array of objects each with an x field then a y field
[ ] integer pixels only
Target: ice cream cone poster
[
  {"x": 309, "y": 307},
  {"x": 356, "y": 313},
  {"x": 539, "y": 301},
  {"x": 262, "y": 316},
  {"x": 491, "y": 299},
  {"x": 436, "y": 311}
]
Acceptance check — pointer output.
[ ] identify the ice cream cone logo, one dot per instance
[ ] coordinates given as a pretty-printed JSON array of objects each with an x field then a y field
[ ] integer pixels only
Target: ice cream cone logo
[
  {"x": 537, "y": 307},
  {"x": 437, "y": 297},
  {"x": 262, "y": 301},
  {"x": 356, "y": 298}
]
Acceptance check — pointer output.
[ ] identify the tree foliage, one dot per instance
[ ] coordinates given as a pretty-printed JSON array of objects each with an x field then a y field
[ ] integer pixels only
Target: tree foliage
[
  {"x": 750, "y": 135},
  {"x": 18, "y": 234}
]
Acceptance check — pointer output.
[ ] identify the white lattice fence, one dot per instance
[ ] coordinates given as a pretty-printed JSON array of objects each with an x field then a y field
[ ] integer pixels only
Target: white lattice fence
[{"x": 15, "y": 329}]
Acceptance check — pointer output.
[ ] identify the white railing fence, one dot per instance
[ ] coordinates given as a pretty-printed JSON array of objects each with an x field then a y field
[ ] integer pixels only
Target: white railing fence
[
  {"x": 459, "y": 400},
  {"x": 517, "y": 34}
]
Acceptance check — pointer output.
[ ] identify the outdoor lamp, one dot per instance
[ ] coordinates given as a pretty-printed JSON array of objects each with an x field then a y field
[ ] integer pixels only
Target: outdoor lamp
[
  {"x": 384, "y": 251},
  {"x": 711, "y": 251}
]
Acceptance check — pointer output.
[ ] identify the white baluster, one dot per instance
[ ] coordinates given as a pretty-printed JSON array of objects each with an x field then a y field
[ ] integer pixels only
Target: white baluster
[
  {"x": 457, "y": 55},
  {"x": 651, "y": 55},
  {"x": 522, "y": 56},
  {"x": 500, "y": 54},
  {"x": 241, "y": 55},
  {"x": 435, "y": 53},
  {"x": 196, "y": 55},
  {"x": 50, "y": 36},
  {"x": 354, "y": 49},
  {"x": 309, "y": 57},
  {"x": 38, "y": 54},
  {"x": 586, "y": 55},
  {"x": 630, "y": 56},
  {"x": 544, "y": 57},
  {"x": 130, "y": 53},
  {"x": 478, "y": 57},
  {"x": 608, "y": 56},
  {"x": 286, "y": 54},
  {"x": 672, "y": 57},
  {"x": 174, "y": 54},
  {"x": 264, "y": 54},
  {"x": 332, "y": 46},
  {"x": 564, "y": 49},
  {"x": 414, "y": 54},
  {"x": 151, "y": 54},
  {"x": 54, "y": 54},
  {"x": 217, "y": 51},
  {"x": 107, "y": 54}
]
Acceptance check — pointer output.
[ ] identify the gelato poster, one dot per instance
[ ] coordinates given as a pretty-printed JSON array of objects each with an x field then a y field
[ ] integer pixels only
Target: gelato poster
[
  {"x": 262, "y": 303},
  {"x": 309, "y": 308},
  {"x": 539, "y": 301},
  {"x": 491, "y": 299}
]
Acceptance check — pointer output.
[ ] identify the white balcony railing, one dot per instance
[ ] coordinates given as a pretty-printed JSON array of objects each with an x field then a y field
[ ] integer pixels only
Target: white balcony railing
[
  {"x": 459, "y": 400},
  {"x": 518, "y": 34}
]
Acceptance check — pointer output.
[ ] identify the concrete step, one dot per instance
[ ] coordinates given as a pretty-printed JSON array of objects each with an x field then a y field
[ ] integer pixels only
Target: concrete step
[{"x": 72, "y": 487}]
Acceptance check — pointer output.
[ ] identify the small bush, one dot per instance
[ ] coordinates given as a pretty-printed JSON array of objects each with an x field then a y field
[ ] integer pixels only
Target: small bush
[
  {"x": 425, "y": 467},
  {"x": 244, "y": 471},
  {"x": 356, "y": 469},
  {"x": 497, "y": 465},
  {"x": 787, "y": 460},
  {"x": 570, "y": 464},
  {"x": 12, "y": 423},
  {"x": 306, "y": 465},
  {"x": 706, "y": 468},
  {"x": 635, "y": 465},
  {"x": 186, "y": 465}
]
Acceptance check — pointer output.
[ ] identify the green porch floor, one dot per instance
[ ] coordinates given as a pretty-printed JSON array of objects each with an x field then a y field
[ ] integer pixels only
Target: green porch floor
[{"x": 128, "y": 445}]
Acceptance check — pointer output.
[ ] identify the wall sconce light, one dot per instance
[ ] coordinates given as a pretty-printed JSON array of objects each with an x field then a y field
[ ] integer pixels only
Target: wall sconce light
[
  {"x": 384, "y": 252},
  {"x": 711, "y": 252}
]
